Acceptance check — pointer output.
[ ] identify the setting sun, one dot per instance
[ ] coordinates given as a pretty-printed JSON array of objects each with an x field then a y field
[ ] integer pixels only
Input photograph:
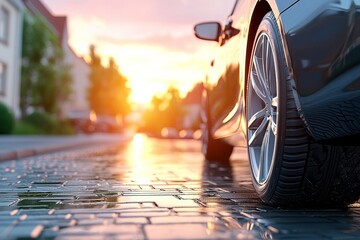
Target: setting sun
[{"x": 153, "y": 44}]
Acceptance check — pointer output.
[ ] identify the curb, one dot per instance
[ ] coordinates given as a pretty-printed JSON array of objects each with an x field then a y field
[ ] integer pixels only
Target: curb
[{"x": 18, "y": 154}]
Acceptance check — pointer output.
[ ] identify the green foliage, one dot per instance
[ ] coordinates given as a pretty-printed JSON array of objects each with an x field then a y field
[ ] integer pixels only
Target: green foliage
[
  {"x": 64, "y": 128},
  {"x": 174, "y": 111},
  {"x": 30, "y": 125},
  {"x": 7, "y": 119},
  {"x": 45, "y": 79},
  {"x": 108, "y": 92},
  {"x": 167, "y": 111},
  {"x": 24, "y": 128},
  {"x": 42, "y": 121}
]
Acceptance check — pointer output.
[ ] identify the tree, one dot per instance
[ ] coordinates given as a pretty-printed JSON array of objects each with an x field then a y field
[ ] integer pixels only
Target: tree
[
  {"x": 108, "y": 92},
  {"x": 174, "y": 112},
  {"x": 45, "y": 79},
  {"x": 166, "y": 112}
]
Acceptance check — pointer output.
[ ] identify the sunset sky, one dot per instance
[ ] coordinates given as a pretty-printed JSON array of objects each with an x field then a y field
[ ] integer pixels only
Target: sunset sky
[{"x": 151, "y": 40}]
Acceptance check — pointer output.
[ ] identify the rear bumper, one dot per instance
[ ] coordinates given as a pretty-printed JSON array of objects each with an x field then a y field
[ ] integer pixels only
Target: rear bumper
[
  {"x": 334, "y": 111},
  {"x": 323, "y": 43}
]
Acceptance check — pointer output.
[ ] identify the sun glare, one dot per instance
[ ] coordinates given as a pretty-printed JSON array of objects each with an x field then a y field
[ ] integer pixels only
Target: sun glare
[
  {"x": 150, "y": 70},
  {"x": 142, "y": 96},
  {"x": 152, "y": 54}
]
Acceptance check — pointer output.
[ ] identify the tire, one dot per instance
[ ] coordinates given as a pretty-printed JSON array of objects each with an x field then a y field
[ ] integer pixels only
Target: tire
[
  {"x": 288, "y": 168},
  {"x": 214, "y": 150}
]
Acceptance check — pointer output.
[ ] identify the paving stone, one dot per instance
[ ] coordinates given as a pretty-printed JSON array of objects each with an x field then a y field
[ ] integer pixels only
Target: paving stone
[
  {"x": 132, "y": 220},
  {"x": 108, "y": 229},
  {"x": 95, "y": 221},
  {"x": 177, "y": 231},
  {"x": 146, "y": 213},
  {"x": 182, "y": 219},
  {"x": 25, "y": 231},
  {"x": 165, "y": 193}
]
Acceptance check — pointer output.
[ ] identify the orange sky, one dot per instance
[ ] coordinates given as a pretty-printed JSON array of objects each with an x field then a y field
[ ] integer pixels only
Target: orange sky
[{"x": 151, "y": 40}]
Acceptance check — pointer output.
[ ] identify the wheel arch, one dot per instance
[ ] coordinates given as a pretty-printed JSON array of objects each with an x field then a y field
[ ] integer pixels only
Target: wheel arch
[{"x": 261, "y": 8}]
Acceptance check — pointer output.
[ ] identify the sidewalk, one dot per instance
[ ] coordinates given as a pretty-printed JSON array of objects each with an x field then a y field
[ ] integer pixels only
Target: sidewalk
[{"x": 15, "y": 147}]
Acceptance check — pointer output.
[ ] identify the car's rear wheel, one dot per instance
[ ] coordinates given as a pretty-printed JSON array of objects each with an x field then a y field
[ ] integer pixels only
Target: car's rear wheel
[{"x": 287, "y": 167}]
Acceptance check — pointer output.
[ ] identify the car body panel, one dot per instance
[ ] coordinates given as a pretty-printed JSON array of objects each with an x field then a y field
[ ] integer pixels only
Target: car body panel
[
  {"x": 323, "y": 63},
  {"x": 225, "y": 83},
  {"x": 324, "y": 43}
]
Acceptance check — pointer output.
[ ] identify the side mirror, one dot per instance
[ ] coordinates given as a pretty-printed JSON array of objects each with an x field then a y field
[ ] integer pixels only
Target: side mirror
[{"x": 208, "y": 31}]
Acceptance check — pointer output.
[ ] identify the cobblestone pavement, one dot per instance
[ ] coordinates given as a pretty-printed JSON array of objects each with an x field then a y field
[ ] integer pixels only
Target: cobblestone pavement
[{"x": 150, "y": 189}]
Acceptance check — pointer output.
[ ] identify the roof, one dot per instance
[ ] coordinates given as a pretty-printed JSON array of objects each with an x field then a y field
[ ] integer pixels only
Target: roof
[{"x": 58, "y": 23}]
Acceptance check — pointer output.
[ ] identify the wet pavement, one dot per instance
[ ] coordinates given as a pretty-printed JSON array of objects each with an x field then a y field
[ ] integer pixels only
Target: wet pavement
[{"x": 150, "y": 189}]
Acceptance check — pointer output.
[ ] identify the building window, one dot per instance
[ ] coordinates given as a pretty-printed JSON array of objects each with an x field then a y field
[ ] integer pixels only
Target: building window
[
  {"x": 2, "y": 78},
  {"x": 4, "y": 25}
]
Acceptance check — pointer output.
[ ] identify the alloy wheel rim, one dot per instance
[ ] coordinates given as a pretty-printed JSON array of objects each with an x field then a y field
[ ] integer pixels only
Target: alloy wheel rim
[{"x": 262, "y": 110}]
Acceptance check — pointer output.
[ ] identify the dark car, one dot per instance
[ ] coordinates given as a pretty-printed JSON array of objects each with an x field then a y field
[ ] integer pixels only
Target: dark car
[
  {"x": 285, "y": 84},
  {"x": 108, "y": 124},
  {"x": 82, "y": 121}
]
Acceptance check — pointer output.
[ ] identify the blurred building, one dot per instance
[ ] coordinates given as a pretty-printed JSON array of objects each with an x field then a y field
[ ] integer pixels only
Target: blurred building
[
  {"x": 79, "y": 68},
  {"x": 80, "y": 71},
  {"x": 10, "y": 52}
]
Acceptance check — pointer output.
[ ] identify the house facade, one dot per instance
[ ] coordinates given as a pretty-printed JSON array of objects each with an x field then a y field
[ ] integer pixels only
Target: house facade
[
  {"x": 10, "y": 52},
  {"x": 79, "y": 69}
]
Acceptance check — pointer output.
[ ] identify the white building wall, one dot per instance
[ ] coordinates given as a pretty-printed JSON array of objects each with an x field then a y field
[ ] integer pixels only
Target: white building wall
[
  {"x": 80, "y": 71},
  {"x": 10, "y": 55}
]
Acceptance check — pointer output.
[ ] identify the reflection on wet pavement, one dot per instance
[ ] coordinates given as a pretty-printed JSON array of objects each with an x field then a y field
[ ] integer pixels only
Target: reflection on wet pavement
[{"x": 150, "y": 189}]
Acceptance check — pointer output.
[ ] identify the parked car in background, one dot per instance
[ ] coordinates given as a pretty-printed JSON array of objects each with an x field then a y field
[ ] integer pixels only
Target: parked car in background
[
  {"x": 83, "y": 121},
  {"x": 108, "y": 124},
  {"x": 170, "y": 133},
  {"x": 285, "y": 84}
]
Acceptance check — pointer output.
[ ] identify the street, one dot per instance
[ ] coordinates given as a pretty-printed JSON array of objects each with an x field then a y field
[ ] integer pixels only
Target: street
[{"x": 147, "y": 188}]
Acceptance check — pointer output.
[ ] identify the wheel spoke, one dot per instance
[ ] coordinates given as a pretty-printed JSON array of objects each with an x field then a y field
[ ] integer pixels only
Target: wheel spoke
[
  {"x": 259, "y": 73},
  {"x": 273, "y": 125},
  {"x": 266, "y": 61},
  {"x": 256, "y": 120},
  {"x": 262, "y": 83},
  {"x": 257, "y": 136},
  {"x": 264, "y": 156},
  {"x": 275, "y": 102},
  {"x": 272, "y": 75},
  {"x": 257, "y": 86}
]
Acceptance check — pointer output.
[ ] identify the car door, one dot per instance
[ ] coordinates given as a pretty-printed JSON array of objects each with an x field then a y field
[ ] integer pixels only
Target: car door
[{"x": 223, "y": 83}]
